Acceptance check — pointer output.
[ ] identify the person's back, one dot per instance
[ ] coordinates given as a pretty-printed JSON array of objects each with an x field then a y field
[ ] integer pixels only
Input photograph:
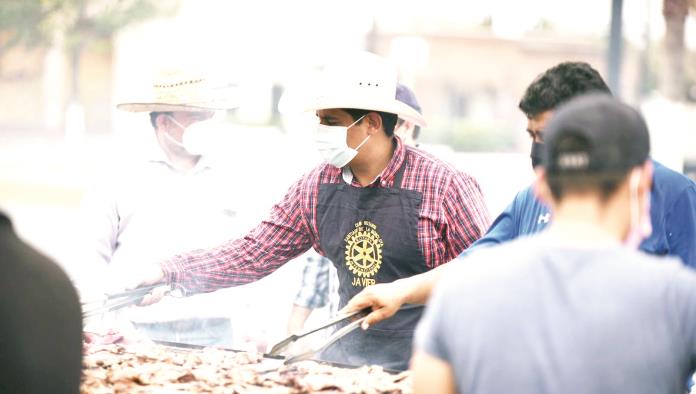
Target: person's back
[
  {"x": 536, "y": 316},
  {"x": 41, "y": 328}
]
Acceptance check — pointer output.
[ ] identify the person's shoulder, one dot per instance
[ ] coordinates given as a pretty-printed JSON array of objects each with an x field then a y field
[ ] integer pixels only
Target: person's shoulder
[
  {"x": 419, "y": 157},
  {"x": 670, "y": 180},
  {"x": 526, "y": 200},
  {"x": 664, "y": 272},
  {"x": 435, "y": 166},
  {"x": 484, "y": 266},
  {"x": 27, "y": 263},
  {"x": 527, "y": 195},
  {"x": 321, "y": 173},
  {"x": 637, "y": 266},
  {"x": 114, "y": 179},
  {"x": 653, "y": 262}
]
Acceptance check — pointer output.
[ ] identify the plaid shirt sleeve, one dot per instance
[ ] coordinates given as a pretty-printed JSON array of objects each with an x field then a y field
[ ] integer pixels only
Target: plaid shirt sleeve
[
  {"x": 314, "y": 290},
  {"x": 283, "y": 236},
  {"x": 466, "y": 214}
]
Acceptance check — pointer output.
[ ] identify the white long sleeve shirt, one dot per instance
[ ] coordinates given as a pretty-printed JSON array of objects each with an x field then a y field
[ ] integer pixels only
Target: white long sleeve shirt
[{"x": 148, "y": 212}]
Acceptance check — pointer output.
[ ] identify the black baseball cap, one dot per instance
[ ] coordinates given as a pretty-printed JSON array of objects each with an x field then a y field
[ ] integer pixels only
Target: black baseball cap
[{"x": 595, "y": 134}]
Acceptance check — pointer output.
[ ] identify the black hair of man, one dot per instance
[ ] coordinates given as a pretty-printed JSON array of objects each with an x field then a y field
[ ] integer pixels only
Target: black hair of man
[
  {"x": 388, "y": 120},
  {"x": 559, "y": 84}
]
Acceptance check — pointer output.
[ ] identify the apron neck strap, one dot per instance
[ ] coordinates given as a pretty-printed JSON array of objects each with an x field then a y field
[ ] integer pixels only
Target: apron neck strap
[{"x": 398, "y": 177}]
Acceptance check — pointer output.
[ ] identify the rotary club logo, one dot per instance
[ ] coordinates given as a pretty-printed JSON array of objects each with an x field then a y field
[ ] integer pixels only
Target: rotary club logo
[{"x": 364, "y": 251}]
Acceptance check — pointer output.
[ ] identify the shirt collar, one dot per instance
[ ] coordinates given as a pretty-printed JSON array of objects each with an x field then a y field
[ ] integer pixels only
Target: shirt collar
[
  {"x": 389, "y": 171},
  {"x": 155, "y": 154}
]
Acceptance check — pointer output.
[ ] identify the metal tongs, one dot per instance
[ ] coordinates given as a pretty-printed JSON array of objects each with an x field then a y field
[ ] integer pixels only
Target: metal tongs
[
  {"x": 355, "y": 318},
  {"x": 115, "y": 301}
]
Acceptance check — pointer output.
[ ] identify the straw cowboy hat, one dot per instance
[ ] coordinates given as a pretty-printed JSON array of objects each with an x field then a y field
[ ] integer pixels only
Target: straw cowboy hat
[
  {"x": 362, "y": 81},
  {"x": 182, "y": 90}
]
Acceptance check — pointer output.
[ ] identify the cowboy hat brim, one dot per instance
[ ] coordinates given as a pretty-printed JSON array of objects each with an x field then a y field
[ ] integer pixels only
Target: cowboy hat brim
[
  {"x": 394, "y": 106},
  {"x": 171, "y": 107}
]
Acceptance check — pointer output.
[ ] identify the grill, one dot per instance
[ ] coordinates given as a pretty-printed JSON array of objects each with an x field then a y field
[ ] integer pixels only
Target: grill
[{"x": 169, "y": 367}]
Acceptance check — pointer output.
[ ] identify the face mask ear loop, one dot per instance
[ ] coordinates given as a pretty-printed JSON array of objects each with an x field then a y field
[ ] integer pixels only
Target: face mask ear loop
[
  {"x": 356, "y": 122},
  {"x": 363, "y": 142},
  {"x": 171, "y": 139},
  {"x": 633, "y": 195},
  {"x": 366, "y": 138},
  {"x": 176, "y": 122}
]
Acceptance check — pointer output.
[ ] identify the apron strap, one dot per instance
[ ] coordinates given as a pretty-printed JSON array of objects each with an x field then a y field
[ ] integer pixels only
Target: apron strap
[{"x": 398, "y": 177}]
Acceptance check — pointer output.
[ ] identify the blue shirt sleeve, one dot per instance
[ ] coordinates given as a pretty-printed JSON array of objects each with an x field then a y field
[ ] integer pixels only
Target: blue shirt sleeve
[
  {"x": 524, "y": 216},
  {"x": 504, "y": 228},
  {"x": 680, "y": 225}
]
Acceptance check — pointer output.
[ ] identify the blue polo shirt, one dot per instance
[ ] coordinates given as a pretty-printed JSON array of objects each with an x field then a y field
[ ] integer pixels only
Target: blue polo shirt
[{"x": 672, "y": 211}]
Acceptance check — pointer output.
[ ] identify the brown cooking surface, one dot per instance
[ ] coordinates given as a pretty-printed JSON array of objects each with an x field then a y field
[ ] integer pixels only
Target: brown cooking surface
[{"x": 139, "y": 368}]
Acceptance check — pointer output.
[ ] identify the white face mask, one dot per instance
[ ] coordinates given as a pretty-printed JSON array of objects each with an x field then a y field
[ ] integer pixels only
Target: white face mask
[
  {"x": 641, "y": 226},
  {"x": 331, "y": 143},
  {"x": 191, "y": 142}
]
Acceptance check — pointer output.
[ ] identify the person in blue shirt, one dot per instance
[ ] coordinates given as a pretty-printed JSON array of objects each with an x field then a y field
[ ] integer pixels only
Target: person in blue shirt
[
  {"x": 672, "y": 198},
  {"x": 575, "y": 309}
]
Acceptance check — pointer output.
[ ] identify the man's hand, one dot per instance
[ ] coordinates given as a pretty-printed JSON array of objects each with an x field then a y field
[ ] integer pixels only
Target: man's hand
[
  {"x": 129, "y": 277},
  {"x": 154, "y": 296},
  {"x": 385, "y": 299},
  {"x": 150, "y": 274}
]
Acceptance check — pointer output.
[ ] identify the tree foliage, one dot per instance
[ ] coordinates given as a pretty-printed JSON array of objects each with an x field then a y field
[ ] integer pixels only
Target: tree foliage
[{"x": 32, "y": 23}]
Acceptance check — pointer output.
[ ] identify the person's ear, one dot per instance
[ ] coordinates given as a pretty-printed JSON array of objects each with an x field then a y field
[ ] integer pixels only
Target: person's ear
[
  {"x": 374, "y": 122},
  {"x": 541, "y": 188}
]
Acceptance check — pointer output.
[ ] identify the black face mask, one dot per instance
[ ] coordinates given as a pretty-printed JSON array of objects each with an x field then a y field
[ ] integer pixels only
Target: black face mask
[{"x": 536, "y": 155}]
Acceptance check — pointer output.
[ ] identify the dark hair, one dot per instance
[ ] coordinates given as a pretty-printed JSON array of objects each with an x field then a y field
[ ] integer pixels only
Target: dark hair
[
  {"x": 153, "y": 117},
  {"x": 388, "y": 120},
  {"x": 605, "y": 183},
  {"x": 559, "y": 84}
]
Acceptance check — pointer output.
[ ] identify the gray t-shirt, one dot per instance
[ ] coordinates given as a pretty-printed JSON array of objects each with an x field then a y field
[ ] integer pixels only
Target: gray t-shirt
[{"x": 536, "y": 316}]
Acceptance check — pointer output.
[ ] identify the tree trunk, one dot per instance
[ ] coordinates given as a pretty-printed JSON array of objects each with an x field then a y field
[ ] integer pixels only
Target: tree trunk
[
  {"x": 673, "y": 84},
  {"x": 75, "y": 54},
  {"x": 75, "y": 111}
]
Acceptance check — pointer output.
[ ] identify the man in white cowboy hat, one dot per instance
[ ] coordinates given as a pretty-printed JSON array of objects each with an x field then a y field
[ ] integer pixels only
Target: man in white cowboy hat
[
  {"x": 168, "y": 202},
  {"x": 379, "y": 210},
  {"x": 319, "y": 286}
]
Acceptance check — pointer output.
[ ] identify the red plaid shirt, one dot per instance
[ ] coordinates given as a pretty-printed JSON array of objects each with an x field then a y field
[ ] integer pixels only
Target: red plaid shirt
[{"x": 452, "y": 216}]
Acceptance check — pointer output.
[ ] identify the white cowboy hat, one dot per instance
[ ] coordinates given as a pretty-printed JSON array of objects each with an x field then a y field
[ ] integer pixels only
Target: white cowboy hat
[
  {"x": 180, "y": 90},
  {"x": 362, "y": 81}
]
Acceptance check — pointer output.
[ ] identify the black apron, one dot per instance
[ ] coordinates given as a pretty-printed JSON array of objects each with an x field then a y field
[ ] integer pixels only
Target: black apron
[{"x": 371, "y": 236}]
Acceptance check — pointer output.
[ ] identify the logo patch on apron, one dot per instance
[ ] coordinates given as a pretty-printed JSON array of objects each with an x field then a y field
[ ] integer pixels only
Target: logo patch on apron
[{"x": 364, "y": 252}]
